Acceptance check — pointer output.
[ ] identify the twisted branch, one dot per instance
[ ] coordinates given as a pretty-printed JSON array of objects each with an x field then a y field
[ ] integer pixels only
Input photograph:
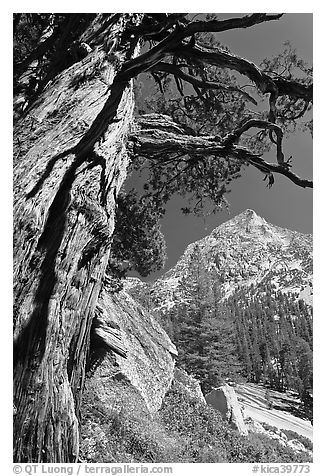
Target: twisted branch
[
  {"x": 174, "y": 41},
  {"x": 264, "y": 82},
  {"x": 235, "y": 135},
  {"x": 156, "y": 137},
  {"x": 176, "y": 71}
]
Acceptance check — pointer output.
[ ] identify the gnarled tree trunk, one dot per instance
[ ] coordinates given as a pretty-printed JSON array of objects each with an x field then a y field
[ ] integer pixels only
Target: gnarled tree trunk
[{"x": 70, "y": 161}]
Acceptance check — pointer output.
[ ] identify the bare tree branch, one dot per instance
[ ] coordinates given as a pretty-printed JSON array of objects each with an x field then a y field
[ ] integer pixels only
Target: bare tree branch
[
  {"x": 174, "y": 40},
  {"x": 263, "y": 81},
  {"x": 229, "y": 24},
  {"x": 185, "y": 31},
  {"x": 266, "y": 167},
  {"x": 235, "y": 135},
  {"x": 294, "y": 89},
  {"x": 176, "y": 71},
  {"x": 156, "y": 137}
]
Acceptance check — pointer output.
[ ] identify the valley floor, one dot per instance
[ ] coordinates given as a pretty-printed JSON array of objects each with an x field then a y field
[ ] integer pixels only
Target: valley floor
[{"x": 252, "y": 397}]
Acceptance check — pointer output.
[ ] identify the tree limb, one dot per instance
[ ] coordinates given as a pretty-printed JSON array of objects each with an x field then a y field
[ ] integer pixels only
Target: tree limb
[
  {"x": 174, "y": 40},
  {"x": 153, "y": 141},
  {"x": 235, "y": 135},
  {"x": 243, "y": 154},
  {"x": 176, "y": 71},
  {"x": 184, "y": 31},
  {"x": 263, "y": 81},
  {"x": 229, "y": 24}
]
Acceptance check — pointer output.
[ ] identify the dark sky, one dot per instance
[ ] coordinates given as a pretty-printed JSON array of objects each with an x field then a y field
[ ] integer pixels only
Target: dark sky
[{"x": 284, "y": 204}]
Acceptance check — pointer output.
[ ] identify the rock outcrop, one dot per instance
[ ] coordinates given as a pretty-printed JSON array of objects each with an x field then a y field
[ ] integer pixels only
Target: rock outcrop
[
  {"x": 142, "y": 355},
  {"x": 278, "y": 435},
  {"x": 275, "y": 434},
  {"x": 296, "y": 445},
  {"x": 190, "y": 385},
  {"x": 224, "y": 400}
]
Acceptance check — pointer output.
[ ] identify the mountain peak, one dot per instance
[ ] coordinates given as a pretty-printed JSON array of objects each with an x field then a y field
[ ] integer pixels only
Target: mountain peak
[
  {"x": 251, "y": 221},
  {"x": 247, "y": 221},
  {"x": 246, "y": 250},
  {"x": 250, "y": 213}
]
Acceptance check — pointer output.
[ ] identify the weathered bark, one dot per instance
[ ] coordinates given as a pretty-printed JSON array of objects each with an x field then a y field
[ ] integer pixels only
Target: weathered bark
[
  {"x": 70, "y": 161},
  {"x": 157, "y": 137}
]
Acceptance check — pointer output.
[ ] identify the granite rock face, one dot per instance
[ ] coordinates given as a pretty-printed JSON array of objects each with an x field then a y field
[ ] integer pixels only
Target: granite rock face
[
  {"x": 142, "y": 355},
  {"x": 224, "y": 400},
  {"x": 190, "y": 385}
]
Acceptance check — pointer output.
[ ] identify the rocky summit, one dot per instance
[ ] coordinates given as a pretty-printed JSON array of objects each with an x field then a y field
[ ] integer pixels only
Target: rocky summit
[{"x": 243, "y": 252}]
